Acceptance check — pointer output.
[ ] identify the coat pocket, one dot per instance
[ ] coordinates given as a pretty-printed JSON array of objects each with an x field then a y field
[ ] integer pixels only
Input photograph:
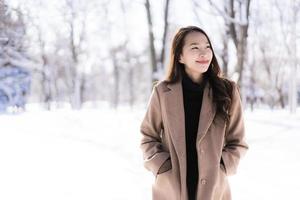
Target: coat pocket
[
  {"x": 162, "y": 188},
  {"x": 166, "y": 166},
  {"x": 222, "y": 166}
]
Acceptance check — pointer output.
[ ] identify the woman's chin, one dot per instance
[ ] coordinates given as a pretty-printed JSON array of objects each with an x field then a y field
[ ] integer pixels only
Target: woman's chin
[
  {"x": 198, "y": 69},
  {"x": 202, "y": 69}
]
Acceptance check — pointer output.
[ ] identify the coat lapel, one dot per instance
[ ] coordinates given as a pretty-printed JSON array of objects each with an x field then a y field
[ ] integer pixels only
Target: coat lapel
[
  {"x": 207, "y": 113},
  {"x": 176, "y": 118}
]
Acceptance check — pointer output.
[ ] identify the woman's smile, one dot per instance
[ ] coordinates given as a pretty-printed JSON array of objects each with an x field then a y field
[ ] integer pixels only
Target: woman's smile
[{"x": 202, "y": 61}]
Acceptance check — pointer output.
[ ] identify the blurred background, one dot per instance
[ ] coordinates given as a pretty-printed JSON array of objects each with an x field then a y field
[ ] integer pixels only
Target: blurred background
[{"x": 76, "y": 76}]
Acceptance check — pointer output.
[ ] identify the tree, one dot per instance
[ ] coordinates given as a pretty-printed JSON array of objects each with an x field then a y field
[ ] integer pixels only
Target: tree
[
  {"x": 289, "y": 19},
  {"x": 157, "y": 65},
  {"x": 75, "y": 13},
  {"x": 14, "y": 78}
]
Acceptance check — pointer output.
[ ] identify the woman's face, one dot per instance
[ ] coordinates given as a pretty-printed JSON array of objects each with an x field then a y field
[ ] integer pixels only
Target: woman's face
[{"x": 196, "y": 53}]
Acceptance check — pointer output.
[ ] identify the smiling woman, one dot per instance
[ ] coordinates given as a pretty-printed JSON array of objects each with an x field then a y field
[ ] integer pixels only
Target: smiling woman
[
  {"x": 193, "y": 130},
  {"x": 196, "y": 55}
]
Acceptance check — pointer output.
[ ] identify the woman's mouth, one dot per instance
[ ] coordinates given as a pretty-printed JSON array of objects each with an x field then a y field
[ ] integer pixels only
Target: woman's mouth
[{"x": 202, "y": 61}]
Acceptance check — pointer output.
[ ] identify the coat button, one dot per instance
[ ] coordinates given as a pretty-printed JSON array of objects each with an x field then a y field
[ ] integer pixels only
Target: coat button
[{"x": 203, "y": 181}]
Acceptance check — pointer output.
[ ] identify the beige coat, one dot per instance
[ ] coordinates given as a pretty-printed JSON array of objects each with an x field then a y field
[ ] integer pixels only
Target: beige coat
[{"x": 163, "y": 137}]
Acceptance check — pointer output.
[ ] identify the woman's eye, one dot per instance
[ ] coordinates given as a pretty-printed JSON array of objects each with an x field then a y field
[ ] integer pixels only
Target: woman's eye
[
  {"x": 208, "y": 47},
  {"x": 194, "y": 47}
]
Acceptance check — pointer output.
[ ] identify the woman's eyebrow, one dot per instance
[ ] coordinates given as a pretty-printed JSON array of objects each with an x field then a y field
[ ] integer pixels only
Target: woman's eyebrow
[{"x": 196, "y": 43}]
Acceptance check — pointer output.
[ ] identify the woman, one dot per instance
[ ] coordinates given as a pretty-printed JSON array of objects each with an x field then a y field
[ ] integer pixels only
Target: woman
[{"x": 193, "y": 130}]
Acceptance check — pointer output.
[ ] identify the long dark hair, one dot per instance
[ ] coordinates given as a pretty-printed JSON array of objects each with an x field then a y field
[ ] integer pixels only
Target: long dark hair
[{"x": 221, "y": 87}]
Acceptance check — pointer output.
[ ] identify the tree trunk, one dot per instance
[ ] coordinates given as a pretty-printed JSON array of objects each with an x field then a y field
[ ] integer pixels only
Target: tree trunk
[
  {"x": 224, "y": 55},
  {"x": 116, "y": 75},
  {"x": 165, "y": 33},
  {"x": 293, "y": 80},
  {"x": 151, "y": 42}
]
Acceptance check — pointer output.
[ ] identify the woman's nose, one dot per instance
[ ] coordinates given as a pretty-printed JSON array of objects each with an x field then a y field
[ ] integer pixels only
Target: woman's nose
[{"x": 202, "y": 53}]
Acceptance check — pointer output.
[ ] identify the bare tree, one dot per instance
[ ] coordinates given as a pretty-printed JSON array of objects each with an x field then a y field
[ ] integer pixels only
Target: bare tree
[
  {"x": 116, "y": 75},
  {"x": 76, "y": 22},
  {"x": 157, "y": 65},
  {"x": 128, "y": 57},
  {"x": 49, "y": 87},
  {"x": 151, "y": 40},
  {"x": 289, "y": 19},
  {"x": 274, "y": 75},
  {"x": 165, "y": 33}
]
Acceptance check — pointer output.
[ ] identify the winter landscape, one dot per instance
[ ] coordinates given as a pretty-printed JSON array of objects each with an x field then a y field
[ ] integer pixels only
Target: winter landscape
[{"x": 76, "y": 76}]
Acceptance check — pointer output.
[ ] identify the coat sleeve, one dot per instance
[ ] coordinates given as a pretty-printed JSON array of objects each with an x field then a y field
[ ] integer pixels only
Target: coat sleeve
[
  {"x": 235, "y": 146},
  {"x": 153, "y": 154}
]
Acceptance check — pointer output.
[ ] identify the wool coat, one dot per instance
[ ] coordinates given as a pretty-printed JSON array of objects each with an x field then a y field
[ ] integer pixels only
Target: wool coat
[{"x": 220, "y": 145}]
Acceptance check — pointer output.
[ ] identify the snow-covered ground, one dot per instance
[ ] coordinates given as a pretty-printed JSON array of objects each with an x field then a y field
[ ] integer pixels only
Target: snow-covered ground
[{"x": 94, "y": 154}]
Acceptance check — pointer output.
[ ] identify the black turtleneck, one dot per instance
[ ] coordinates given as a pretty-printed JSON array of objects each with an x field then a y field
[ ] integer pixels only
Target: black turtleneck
[{"x": 192, "y": 98}]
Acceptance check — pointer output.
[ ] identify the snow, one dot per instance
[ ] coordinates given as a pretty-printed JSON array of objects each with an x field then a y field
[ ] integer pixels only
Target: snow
[
  {"x": 94, "y": 154},
  {"x": 271, "y": 166}
]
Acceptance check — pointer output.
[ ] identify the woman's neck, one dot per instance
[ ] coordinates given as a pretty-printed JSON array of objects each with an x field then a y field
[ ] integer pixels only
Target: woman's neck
[{"x": 195, "y": 77}]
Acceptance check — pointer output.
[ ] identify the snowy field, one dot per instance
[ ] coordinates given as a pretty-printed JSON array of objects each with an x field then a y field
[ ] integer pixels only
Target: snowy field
[{"x": 94, "y": 154}]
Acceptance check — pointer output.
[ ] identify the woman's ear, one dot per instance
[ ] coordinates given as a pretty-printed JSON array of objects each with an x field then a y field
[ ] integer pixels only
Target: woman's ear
[{"x": 181, "y": 60}]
